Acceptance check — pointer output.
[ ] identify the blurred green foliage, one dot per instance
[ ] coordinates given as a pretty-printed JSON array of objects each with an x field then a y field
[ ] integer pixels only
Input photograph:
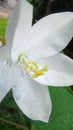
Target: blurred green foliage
[
  {"x": 41, "y": 7},
  {"x": 10, "y": 111},
  {"x": 3, "y": 24}
]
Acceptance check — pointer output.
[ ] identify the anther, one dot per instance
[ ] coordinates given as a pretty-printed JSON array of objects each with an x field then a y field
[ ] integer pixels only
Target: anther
[{"x": 31, "y": 66}]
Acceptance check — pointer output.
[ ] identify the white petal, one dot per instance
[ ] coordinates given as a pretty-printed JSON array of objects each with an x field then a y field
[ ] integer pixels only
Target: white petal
[
  {"x": 60, "y": 72},
  {"x": 3, "y": 52},
  {"x": 19, "y": 23},
  {"x": 50, "y": 35},
  {"x": 6, "y": 77},
  {"x": 32, "y": 98},
  {"x": 11, "y": 3},
  {"x": 4, "y": 49}
]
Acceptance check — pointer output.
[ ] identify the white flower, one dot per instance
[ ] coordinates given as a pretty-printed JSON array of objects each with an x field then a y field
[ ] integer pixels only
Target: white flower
[{"x": 34, "y": 62}]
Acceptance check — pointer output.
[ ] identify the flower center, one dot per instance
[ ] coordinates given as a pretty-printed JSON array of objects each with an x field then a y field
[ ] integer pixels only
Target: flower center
[{"x": 31, "y": 67}]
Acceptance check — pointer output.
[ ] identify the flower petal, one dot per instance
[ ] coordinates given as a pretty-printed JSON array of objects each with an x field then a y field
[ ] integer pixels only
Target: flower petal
[
  {"x": 50, "y": 35},
  {"x": 19, "y": 23},
  {"x": 60, "y": 71},
  {"x": 32, "y": 98},
  {"x": 6, "y": 77},
  {"x": 3, "y": 52},
  {"x": 11, "y": 3}
]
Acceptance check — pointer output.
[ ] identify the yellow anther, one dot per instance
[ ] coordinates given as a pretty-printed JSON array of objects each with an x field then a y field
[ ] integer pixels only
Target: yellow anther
[
  {"x": 37, "y": 74},
  {"x": 32, "y": 66},
  {"x": 40, "y": 72},
  {"x": 33, "y": 63},
  {"x": 45, "y": 68}
]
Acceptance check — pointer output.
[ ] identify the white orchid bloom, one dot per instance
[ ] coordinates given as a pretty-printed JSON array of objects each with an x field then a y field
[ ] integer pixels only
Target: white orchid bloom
[{"x": 33, "y": 61}]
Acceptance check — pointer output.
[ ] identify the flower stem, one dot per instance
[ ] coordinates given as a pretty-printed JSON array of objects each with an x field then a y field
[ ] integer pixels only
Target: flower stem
[{"x": 14, "y": 124}]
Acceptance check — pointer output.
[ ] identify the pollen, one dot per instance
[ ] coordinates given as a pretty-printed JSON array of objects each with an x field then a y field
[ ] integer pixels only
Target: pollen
[
  {"x": 31, "y": 66},
  {"x": 40, "y": 72},
  {"x": 37, "y": 74}
]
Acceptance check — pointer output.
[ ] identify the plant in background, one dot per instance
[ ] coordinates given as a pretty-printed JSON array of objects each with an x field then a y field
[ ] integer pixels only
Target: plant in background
[
  {"x": 39, "y": 8},
  {"x": 30, "y": 61},
  {"x": 61, "y": 5}
]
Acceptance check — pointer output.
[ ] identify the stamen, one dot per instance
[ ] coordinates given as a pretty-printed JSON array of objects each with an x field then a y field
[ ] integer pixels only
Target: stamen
[
  {"x": 45, "y": 68},
  {"x": 40, "y": 72},
  {"x": 20, "y": 56},
  {"x": 37, "y": 74},
  {"x": 31, "y": 66}
]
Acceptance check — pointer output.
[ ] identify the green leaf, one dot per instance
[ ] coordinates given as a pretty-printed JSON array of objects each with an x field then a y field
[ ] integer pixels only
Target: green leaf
[{"x": 3, "y": 24}]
